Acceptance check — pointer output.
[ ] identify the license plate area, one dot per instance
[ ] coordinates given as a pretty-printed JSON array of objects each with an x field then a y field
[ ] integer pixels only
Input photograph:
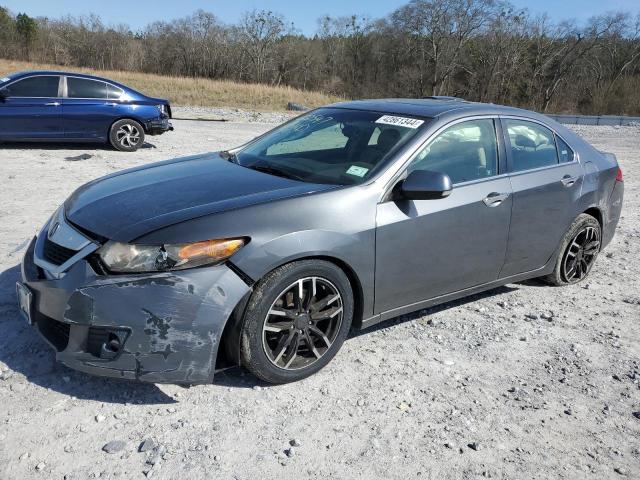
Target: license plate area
[{"x": 25, "y": 302}]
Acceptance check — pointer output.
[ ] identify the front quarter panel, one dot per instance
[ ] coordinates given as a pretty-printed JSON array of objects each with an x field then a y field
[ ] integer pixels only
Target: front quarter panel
[{"x": 338, "y": 224}]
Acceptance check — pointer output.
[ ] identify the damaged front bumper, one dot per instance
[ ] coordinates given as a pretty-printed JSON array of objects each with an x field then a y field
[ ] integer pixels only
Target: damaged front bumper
[{"x": 161, "y": 327}]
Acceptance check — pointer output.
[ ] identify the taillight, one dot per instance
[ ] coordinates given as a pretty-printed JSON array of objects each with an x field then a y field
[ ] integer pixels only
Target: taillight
[{"x": 619, "y": 175}]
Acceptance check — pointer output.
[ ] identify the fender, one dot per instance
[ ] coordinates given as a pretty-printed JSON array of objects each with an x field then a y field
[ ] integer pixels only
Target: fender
[{"x": 353, "y": 251}]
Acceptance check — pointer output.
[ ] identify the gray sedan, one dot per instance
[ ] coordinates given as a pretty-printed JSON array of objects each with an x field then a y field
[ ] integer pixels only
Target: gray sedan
[{"x": 269, "y": 254}]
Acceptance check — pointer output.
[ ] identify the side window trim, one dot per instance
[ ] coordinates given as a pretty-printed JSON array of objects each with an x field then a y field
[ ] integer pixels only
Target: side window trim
[
  {"x": 502, "y": 148},
  {"x": 506, "y": 141},
  {"x": 60, "y": 92}
]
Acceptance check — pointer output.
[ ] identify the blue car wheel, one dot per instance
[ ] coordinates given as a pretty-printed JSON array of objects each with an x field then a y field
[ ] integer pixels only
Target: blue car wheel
[{"x": 126, "y": 135}]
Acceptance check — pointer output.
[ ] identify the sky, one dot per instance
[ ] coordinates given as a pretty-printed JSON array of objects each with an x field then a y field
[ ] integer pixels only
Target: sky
[{"x": 303, "y": 14}]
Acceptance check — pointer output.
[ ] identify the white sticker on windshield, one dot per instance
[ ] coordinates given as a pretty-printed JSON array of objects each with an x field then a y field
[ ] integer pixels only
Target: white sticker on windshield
[
  {"x": 4, "y": 79},
  {"x": 357, "y": 171},
  {"x": 400, "y": 121}
]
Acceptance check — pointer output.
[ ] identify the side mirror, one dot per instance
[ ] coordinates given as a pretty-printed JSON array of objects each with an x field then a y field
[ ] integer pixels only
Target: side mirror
[{"x": 426, "y": 185}]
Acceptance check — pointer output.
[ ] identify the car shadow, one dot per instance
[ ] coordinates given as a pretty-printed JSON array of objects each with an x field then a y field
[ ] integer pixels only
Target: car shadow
[
  {"x": 535, "y": 282},
  {"x": 64, "y": 146},
  {"x": 240, "y": 377},
  {"x": 27, "y": 355},
  {"x": 431, "y": 310}
]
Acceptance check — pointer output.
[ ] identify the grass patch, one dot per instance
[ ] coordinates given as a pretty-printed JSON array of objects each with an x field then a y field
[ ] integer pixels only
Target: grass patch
[{"x": 195, "y": 91}]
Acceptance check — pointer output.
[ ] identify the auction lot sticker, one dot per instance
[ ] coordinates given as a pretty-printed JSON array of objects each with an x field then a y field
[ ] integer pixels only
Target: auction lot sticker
[{"x": 400, "y": 121}]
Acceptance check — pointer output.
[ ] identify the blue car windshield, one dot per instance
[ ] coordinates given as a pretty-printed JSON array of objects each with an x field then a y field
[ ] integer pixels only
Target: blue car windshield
[{"x": 330, "y": 145}]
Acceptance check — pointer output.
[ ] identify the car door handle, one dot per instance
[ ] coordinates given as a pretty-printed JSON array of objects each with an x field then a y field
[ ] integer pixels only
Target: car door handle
[
  {"x": 568, "y": 180},
  {"x": 53, "y": 104},
  {"x": 494, "y": 199}
]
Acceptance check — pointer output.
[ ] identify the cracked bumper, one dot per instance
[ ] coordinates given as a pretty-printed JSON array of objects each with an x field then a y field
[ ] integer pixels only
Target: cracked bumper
[
  {"x": 159, "y": 126},
  {"x": 168, "y": 324}
]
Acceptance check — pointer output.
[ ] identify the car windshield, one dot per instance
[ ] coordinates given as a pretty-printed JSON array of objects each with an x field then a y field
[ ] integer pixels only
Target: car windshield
[{"x": 330, "y": 145}]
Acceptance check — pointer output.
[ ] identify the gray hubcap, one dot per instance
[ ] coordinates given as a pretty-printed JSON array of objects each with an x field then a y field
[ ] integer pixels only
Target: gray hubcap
[
  {"x": 302, "y": 323},
  {"x": 581, "y": 254},
  {"x": 128, "y": 135}
]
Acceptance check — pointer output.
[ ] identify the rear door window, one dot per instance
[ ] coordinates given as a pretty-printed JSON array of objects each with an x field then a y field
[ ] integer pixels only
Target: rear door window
[
  {"x": 114, "y": 93},
  {"x": 564, "y": 151},
  {"x": 532, "y": 145},
  {"x": 45, "y": 86},
  {"x": 85, "y": 88}
]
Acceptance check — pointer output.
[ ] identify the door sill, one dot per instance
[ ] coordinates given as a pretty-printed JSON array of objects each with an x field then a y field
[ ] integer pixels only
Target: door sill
[{"x": 381, "y": 317}]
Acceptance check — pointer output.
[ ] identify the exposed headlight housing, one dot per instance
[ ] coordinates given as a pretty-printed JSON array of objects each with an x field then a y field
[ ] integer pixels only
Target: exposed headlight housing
[
  {"x": 129, "y": 258},
  {"x": 162, "y": 109}
]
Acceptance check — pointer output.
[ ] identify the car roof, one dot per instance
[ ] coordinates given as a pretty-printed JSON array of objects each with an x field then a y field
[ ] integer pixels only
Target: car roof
[{"x": 431, "y": 107}]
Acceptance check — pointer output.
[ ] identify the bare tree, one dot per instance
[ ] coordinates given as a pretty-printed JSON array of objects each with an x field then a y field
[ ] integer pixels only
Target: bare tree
[
  {"x": 438, "y": 31},
  {"x": 484, "y": 50},
  {"x": 259, "y": 31}
]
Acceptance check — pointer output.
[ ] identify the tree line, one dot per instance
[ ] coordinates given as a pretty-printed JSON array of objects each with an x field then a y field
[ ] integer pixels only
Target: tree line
[{"x": 484, "y": 50}]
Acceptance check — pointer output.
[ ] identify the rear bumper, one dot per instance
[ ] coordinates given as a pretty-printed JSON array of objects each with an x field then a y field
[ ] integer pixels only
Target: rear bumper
[
  {"x": 167, "y": 325},
  {"x": 158, "y": 126}
]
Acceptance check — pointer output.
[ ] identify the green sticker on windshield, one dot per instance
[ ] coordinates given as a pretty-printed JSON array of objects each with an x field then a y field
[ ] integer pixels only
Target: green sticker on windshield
[{"x": 357, "y": 171}]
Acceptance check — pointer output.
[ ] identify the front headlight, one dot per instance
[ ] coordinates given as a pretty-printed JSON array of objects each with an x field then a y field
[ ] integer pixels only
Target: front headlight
[
  {"x": 123, "y": 257},
  {"x": 162, "y": 109}
]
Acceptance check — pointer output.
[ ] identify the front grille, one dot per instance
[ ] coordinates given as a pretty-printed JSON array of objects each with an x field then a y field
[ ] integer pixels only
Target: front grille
[
  {"x": 57, "y": 254},
  {"x": 57, "y": 333}
]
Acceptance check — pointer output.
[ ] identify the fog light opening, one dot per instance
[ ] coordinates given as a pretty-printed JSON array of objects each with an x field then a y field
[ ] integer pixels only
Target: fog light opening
[{"x": 113, "y": 343}]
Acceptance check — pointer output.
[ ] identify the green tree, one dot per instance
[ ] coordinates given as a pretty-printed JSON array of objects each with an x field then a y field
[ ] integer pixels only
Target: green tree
[
  {"x": 7, "y": 29},
  {"x": 27, "y": 29}
]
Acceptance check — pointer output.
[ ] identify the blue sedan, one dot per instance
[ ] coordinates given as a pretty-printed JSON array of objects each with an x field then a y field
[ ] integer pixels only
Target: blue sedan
[{"x": 70, "y": 107}]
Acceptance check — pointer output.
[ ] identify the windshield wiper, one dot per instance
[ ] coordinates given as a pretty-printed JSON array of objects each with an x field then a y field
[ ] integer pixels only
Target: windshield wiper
[
  {"x": 275, "y": 171},
  {"x": 230, "y": 157}
]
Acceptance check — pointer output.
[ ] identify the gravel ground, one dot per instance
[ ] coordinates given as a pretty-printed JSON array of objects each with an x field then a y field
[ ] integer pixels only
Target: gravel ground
[
  {"x": 525, "y": 381},
  {"x": 231, "y": 114}
]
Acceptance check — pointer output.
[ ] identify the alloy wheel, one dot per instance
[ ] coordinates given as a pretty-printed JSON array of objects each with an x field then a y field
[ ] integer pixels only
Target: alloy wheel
[
  {"x": 581, "y": 254},
  {"x": 302, "y": 323},
  {"x": 128, "y": 135}
]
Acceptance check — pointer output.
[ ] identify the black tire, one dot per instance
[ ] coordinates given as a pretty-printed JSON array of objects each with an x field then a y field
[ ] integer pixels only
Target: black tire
[
  {"x": 126, "y": 135},
  {"x": 585, "y": 229},
  {"x": 270, "y": 293}
]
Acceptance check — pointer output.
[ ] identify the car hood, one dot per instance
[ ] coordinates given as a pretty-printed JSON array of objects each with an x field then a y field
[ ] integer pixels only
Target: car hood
[{"x": 128, "y": 204}]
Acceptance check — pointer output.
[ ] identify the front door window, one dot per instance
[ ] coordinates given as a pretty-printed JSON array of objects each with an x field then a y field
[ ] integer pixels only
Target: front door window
[
  {"x": 465, "y": 151},
  {"x": 41, "y": 86}
]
